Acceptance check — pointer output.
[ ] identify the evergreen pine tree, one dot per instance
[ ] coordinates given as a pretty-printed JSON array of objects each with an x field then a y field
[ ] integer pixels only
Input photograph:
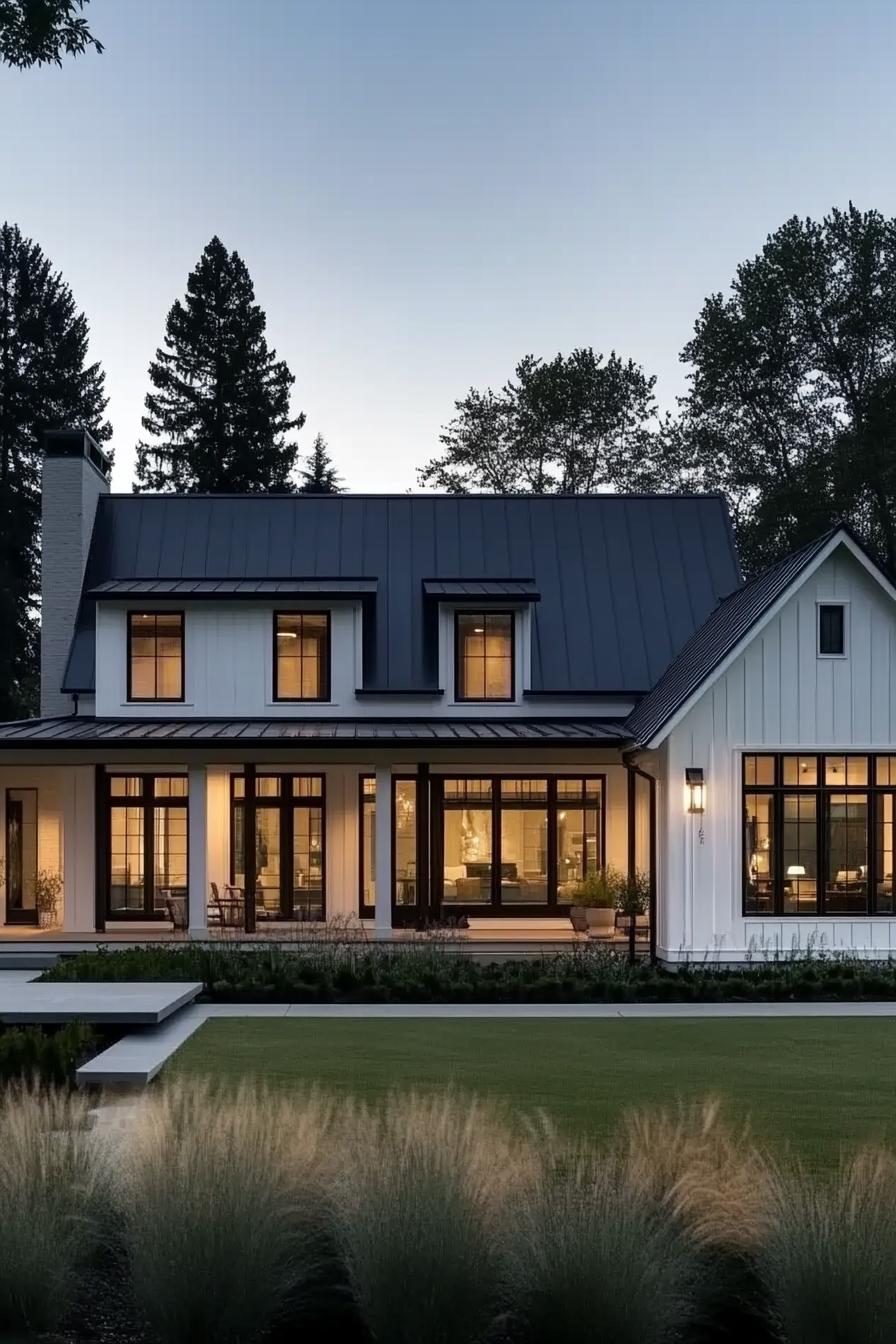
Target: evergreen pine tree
[
  {"x": 45, "y": 382},
  {"x": 320, "y": 477},
  {"x": 219, "y": 412}
]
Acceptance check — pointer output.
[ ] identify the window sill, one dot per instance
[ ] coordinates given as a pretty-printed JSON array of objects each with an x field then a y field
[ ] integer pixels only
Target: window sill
[{"x": 157, "y": 704}]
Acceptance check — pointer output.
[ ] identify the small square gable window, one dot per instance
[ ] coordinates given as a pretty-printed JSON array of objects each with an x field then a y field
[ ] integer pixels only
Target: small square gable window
[{"x": 831, "y": 630}]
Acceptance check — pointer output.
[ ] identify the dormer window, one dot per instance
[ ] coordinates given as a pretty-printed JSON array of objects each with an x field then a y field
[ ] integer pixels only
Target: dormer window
[
  {"x": 831, "y": 630},
  {"x": 155, "y": 655},
  {"x": 484, "y": 655},
  {"x": 301, "y": 655}
]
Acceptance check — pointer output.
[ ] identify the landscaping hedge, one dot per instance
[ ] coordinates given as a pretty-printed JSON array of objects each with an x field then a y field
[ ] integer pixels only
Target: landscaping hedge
[{"x": 426, "y": 972}]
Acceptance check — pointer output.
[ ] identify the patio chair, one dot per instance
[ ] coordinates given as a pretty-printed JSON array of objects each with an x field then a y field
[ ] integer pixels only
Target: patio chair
[{"x": 177, "y": 912}]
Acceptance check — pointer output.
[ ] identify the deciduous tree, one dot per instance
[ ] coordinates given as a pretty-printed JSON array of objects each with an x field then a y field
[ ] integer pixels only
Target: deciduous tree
[{"x": 39, "y": 32}]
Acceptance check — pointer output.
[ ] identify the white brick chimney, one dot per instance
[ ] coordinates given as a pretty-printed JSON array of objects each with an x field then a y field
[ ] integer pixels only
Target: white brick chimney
[{"x": 75, "y": 474}]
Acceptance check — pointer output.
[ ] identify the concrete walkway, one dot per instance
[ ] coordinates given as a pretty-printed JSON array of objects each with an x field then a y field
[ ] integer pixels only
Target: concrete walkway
[{"x": 137, "y": 1058}]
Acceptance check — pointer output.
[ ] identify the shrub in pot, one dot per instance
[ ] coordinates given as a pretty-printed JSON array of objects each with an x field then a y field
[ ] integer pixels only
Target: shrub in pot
[
  {"x": 594, "y": 898},
  {"x": 47, "y": 890}
]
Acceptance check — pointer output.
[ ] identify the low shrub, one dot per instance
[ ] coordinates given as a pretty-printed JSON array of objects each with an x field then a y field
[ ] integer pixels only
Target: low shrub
[
  {"x": 222, "y": 1203},
  {"x": 431, "y": 970},
  {"x": 48, "y": 1056},
  {"x": 53, "y": 1193}
]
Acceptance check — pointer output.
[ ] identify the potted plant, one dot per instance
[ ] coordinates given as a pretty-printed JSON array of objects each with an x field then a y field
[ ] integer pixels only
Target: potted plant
[
  {"x": 47, "y": 890},
  {"x": 633, "y": 904},
  {"x": 593, "y": 899}
]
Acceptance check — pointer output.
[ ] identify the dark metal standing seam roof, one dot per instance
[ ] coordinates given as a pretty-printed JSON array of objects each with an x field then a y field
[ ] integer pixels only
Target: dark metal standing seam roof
[
  {"x": 624, "y": 581},
  {"x": 78, "y": 731},
  {"x": 715, "y": 639}
]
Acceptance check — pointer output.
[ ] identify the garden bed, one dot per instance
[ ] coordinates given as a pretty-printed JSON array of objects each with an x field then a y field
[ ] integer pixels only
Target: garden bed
[{"x": 427, "y": 972}]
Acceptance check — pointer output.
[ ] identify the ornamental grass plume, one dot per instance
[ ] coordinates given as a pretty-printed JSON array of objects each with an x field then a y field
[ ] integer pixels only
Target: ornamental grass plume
[
  {"x": 53, "y": 1196},
  {"x": 826, "y": 1261},
  {"x": 419, "y": 1206},
  {"x": 223, "y": 1203}
]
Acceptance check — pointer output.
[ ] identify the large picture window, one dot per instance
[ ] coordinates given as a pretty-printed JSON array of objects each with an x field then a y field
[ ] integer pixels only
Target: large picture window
[
  {"x": 148, "y": 856},
  {"x": 155, "y": 655},
  {"x": 516, "y": 844},
  {"x": 818, "y": 834},
  {"x": 484, "y": 655},
  {"x": 301, "y": 655}
]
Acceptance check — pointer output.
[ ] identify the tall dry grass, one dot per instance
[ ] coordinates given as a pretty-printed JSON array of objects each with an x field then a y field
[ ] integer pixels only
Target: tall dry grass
[
  {"x": 223, "y": 1202},
  {"x": 591, "y": 1255},
  {"x": 420, "y": 1204},
  {"x": 53, "y": 1195},
  {"x": 707, "y": 1170},
  {"x": 826, "y": 1259}
]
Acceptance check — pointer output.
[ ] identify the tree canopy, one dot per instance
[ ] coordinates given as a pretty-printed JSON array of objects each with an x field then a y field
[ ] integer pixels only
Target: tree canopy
[
  {"x": 793, "y": 386},
  {"x": 218, "y": 417},
  {"x": 570, "y": 425},
  {"x": 40, "y": 32},
  {"x": 320, "y": 476},
  {"x": 45, "y": 381}
]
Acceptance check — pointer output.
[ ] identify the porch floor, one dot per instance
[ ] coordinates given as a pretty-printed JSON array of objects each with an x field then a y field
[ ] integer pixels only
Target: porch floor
[{"x": 496, "y": 939}]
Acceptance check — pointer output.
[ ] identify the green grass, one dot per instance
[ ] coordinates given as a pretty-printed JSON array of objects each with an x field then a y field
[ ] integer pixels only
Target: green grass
[{"x": 816, "y": 1084}]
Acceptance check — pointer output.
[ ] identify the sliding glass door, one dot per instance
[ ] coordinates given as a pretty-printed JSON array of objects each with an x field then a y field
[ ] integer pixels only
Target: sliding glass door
[
  {"x": 148, "y": 860},
  {"x": 289, "y": 846}
]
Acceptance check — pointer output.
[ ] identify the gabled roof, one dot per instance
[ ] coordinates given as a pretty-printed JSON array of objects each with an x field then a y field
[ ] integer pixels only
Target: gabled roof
[
  {"x": 734, "y": 619},
  {"x": 623, "y": 581}
]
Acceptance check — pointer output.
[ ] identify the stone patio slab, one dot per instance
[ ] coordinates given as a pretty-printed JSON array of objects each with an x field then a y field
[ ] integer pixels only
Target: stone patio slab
[{"x": 126, "y": 1003}]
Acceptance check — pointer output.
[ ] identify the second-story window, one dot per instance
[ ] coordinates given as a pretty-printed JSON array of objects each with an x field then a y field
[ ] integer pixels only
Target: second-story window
[
  {"x": 484, "y": 655},
  {"x": 155, "y": 655},
  {"x": 301, "y": 655}
]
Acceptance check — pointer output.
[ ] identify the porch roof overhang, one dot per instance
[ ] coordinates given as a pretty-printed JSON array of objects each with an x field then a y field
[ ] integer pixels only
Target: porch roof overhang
[{"x": 83, "y": 731}]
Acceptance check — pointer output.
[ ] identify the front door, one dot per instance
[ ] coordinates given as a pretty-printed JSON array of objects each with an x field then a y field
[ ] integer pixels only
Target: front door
[{"x": 21, "y": 855}]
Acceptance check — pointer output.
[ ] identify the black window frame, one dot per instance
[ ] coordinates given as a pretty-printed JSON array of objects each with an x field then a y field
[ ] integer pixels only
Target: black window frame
[
  {"x": 822, "y": 791},
  {"x": 147, "y": 800},
  {"x": 142, "y": 613},
  {"x": 475, "y": 613},
  {"x": 552, "y": 804},
  {"x": 286, "y": 801},
  {"x": 825, "y": 610},
  {"x": 327, "y": 660}
]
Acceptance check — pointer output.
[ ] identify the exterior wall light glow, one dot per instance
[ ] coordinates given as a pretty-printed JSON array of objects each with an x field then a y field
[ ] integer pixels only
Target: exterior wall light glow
[{"x": 695, "y": 789}]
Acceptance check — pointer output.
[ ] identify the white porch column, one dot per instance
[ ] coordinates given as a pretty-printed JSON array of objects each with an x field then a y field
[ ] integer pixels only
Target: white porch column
[
  {"x": 383, "y": 850},
  {"x": 197, "y": 903}
]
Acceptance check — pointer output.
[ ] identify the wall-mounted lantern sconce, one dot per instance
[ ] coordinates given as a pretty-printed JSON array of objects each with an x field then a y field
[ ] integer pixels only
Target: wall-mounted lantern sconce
[{"x": 695, "y": 789}]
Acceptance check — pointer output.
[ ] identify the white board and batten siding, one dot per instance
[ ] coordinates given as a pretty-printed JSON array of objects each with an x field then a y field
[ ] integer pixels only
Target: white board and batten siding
[{"x": 776, "y": 695}]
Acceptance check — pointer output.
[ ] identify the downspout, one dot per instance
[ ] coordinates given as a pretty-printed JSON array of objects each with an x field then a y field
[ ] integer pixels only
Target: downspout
[{"x": 630, "y": 760}]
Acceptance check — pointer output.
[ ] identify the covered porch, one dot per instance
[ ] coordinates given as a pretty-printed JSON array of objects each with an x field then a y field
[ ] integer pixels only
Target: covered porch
[{"x": 299, "y": 842}]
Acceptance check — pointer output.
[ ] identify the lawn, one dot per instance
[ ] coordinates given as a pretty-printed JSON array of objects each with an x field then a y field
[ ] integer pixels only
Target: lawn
[{"x": 817, "y": 1084}]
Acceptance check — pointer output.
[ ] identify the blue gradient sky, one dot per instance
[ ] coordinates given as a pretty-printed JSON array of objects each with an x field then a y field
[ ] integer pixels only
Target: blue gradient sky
[{"x": 425, "y": 190}]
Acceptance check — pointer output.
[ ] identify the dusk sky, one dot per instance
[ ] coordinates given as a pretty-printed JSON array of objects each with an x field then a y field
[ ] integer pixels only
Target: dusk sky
[{"x": 426, "y": 190}]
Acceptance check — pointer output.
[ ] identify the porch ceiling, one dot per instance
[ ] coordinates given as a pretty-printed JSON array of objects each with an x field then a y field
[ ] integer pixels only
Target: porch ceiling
[{"x": 77, "y": 731}]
